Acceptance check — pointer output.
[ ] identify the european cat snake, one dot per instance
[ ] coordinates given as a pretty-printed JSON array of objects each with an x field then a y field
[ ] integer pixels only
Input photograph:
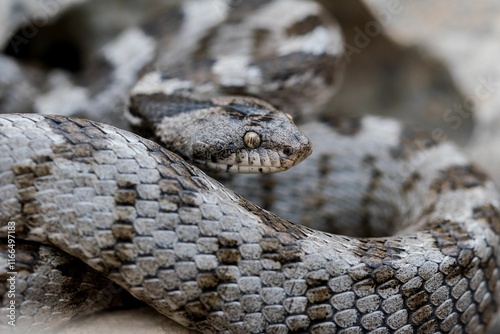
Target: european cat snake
[{"x": 200, "y": 254}]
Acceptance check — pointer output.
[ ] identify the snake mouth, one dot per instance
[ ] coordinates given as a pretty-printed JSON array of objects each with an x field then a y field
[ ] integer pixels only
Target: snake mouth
[
  {"x": 250, "y": 162},
  {"x": 242, "y": 169}
]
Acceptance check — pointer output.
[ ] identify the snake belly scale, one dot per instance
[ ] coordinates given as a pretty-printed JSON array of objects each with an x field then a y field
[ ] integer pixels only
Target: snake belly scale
[{"x": 158, "y": 227}]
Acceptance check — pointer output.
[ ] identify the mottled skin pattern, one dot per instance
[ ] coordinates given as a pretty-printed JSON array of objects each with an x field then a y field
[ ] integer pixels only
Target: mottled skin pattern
[
  {"x": 353, "y": 182},
  {"x": 211, "y": 260},
  {"x": 213, "y": 134},
  {"x": 161, "y": 229},
  {"x": 45, "y": 285}
]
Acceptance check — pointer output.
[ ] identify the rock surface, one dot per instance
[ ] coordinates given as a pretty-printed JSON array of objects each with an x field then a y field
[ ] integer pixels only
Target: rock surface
[{"x": 144, "y": 320}]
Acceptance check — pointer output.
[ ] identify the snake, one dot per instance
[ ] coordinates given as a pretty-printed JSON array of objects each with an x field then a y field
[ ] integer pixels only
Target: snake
[{"x": 101, "y": 215}]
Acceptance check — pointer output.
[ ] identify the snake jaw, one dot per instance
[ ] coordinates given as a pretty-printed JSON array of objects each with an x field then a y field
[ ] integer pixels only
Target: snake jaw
[
  {"x": 242, "y": 169},
  {"x": 275, "y": 154},
  {"x": 260, "y": 160}
]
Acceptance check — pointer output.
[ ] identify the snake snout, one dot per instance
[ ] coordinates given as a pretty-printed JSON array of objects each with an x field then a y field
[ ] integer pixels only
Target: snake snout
[{"x": 291, "y": 155}]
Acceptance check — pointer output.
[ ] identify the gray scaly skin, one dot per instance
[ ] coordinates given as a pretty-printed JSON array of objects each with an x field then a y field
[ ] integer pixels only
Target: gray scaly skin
[
  {"x": 225, "y": 134},
  {"x": 209, "y": 259}
]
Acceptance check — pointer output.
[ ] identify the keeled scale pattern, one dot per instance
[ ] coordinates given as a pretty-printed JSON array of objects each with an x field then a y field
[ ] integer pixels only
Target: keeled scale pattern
[
  {"x": 45, "y": 291},
  {"x": 211, "y": 260}
]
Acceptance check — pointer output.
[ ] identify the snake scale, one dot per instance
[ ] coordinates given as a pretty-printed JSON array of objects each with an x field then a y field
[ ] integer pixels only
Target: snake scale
[{"x": 144, "y": 220}]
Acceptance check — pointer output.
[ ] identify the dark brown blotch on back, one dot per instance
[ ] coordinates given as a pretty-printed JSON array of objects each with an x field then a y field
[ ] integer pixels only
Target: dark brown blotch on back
[
  {"x": 125, "y": 197},
  {"x": 198, "y": 71},
  {"x": 203, "y": 49},
  {"x": 304, "y": 26},
  {"x": 284, "y": 67},
  {"x": 259, "y": 37},
  {"x": 268, "y": 183},
  {"x": 196, "y": 311},
  {"x": 212, "y": 300},
  {"x": 241, "y": 9},
  {"x": 228, "y": 255},
  {"x": 24, "y": 180},
  {"x": 383, "y": 274},
  {"x": 344, "y": 125},
  {"x": 490, "y": 214},
  {"x": 459, "y": 177},
  {"x": 410, "y": 183},
  {"x": 325, "y": 166},
  {"x": 412, "y": 140},
  {"x": 97, "y": 76},
  {"x": 286, "y": 254},
  {"x": 207, "y": 281},
  {"x": 368, "y": 197},
  {"x": 153, "y": 108},
  {"x": 164, "y": 24},
  {"x": 318, "y": 295},
  {"x": 414, "y": 301},
  {"x": 123, "y": 231}
]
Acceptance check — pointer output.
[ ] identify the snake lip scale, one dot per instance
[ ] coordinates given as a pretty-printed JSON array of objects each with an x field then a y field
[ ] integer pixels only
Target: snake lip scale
[{"x": 410, "y": 227}]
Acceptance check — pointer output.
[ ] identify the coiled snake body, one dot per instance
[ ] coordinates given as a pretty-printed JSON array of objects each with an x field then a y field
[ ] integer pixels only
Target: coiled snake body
[{"x": 211, "y": 260}]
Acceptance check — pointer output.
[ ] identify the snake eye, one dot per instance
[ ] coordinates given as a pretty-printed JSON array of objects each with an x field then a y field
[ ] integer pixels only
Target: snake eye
[{"x": 251, "y": 139}]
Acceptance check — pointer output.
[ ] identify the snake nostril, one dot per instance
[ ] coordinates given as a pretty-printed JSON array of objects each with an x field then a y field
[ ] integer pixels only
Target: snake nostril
[{"x": 288, "y": 151}]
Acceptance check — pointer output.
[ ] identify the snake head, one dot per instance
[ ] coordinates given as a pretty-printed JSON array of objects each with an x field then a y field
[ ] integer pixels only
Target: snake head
[{"x": 231, "y": 133}]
